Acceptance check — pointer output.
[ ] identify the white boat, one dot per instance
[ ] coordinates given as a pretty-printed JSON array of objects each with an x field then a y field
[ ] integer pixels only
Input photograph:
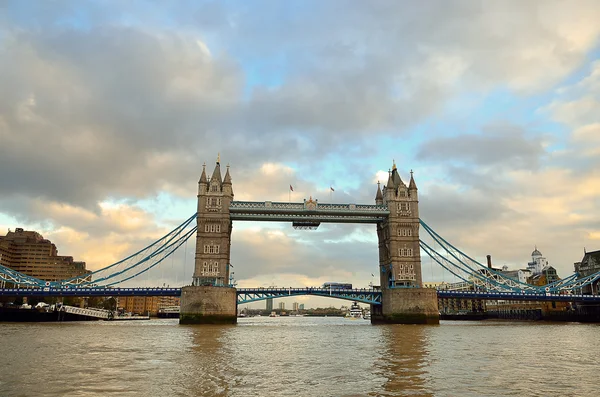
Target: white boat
[
  {"x": 168, "y": 312},
  {"x": 355, "y": 312},
  {"x": 367, "y": 315}
]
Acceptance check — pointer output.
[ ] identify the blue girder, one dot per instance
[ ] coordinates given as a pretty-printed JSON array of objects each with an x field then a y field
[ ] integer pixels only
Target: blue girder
[
  {"x": 247, "y": 295},
  {"x": 511, "y": 296},
  {"x": 461, "y": 265},
  {"x": 98, "y": 291}
]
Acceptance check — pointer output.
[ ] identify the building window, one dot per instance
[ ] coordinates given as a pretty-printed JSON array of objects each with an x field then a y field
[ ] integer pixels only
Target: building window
[
  {"x": 405, "y": 251},
  {"x": 210, "y": 269},
  {"x": 402, "y": 207},
  {"x": 212, "y": 228},
  {"x": 405, "y": 232},
  {"x": 214, "y": 188},
  {"x": 211, "y": 248},
  {"x": 213, "y": 202}
]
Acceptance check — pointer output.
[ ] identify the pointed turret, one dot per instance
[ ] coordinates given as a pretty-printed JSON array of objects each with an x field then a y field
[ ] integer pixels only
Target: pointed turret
[
  {"x": 203, "y": 182},
  {"x": 379, "y": 195},
  {"x": 227, "y": 179},
  {"x": 227, "y": 188},
  {"x": 216, "y": 175},
  {"x": 397, "y": 180},
  {"x": 203, "y": 176},
  {"x": 412, "y": 185},
  {"x": 390, "y": 182}
]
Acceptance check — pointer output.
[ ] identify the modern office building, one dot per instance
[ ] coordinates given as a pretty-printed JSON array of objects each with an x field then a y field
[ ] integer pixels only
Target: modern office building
[{"x": 269, "y": 307}]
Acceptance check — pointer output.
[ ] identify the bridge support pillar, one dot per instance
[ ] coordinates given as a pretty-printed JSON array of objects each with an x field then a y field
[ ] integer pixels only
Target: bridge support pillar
[
  {"x": 406, "y": 306},
  {"x": 208, "y": 305}
]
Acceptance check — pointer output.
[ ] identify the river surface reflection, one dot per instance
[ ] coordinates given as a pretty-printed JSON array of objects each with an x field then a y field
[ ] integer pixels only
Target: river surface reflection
[{"x": 298, "y": 356}]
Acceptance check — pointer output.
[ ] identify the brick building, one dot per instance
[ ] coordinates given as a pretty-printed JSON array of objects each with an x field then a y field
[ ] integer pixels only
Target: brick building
[
  {"x": 145, "y": 304},
  {"x": 30, "y": 253}
]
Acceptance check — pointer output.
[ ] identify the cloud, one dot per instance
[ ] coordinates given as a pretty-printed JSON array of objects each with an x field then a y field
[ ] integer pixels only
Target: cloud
[{"x": 497, "y": 145}]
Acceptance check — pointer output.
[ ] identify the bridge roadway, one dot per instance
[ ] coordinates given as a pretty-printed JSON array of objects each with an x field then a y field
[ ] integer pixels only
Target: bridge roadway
[{"x": 246, "y": 295}]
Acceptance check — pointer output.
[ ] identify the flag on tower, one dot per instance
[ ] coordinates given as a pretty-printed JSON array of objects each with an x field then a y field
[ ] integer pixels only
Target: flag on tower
[
  {"x": 332, "y": 189},
  {"x": 291, "y": 188}
]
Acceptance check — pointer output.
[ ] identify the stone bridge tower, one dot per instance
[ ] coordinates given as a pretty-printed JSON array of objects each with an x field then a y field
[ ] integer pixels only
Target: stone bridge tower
[
  {"x": 399, "y": 258},
  {"x": 210, "y": 299},
  {"x": 404, "y": 300},
  {"x": 213, "y": 237}
]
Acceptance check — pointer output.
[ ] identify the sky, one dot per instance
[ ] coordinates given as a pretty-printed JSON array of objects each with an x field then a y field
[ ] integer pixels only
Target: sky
[{"x": 108, "y": 109}]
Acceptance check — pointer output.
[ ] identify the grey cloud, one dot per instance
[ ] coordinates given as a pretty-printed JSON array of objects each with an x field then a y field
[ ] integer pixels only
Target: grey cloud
[
  {"x": 500, "y": 145},
  {"x": 116, "y": 105}
]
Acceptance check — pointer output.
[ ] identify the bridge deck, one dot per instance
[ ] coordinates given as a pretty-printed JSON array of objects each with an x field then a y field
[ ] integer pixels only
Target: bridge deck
[{"x": 246, "y": 295}]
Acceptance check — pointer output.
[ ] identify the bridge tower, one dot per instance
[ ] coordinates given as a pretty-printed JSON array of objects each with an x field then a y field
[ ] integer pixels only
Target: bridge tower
[
  {"x": 404, "y": 300},
  {"x": 210, "y": 299}
]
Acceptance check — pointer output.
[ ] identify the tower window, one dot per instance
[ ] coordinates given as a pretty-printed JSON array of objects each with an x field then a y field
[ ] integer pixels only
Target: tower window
[
  {"x": 213, "y": 202},
  {"x": 212, "y": 228},
  {"x": 211, "y": 248},
  {"x": 405, "y": 232},
  {"x": 403, "y": 206}
]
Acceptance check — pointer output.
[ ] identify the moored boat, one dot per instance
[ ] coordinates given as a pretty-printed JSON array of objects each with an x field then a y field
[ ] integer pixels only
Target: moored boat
[
  {"x": 168, "y": 312},
  {"x": 355, "y": 312}
]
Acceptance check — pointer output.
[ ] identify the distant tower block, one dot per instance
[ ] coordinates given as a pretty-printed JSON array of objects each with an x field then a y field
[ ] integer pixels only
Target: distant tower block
[
  {"x": 404, "y": 300},
  {"x": 210, "y": 299}
]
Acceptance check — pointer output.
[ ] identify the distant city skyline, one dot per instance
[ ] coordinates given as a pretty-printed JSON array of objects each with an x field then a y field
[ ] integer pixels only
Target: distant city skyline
[{"x": 109, "y": 110}]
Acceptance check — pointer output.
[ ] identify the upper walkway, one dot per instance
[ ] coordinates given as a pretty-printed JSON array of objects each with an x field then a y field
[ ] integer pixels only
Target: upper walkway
[{"x": 309, "y": 211}]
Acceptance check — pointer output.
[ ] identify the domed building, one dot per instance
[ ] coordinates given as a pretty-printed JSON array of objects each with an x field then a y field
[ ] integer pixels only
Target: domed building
[{"x": 538, "y": 262}]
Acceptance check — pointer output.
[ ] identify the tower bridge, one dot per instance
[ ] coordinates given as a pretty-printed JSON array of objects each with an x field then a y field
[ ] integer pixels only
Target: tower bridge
[
  {"x": 395, "y": 214},
  {"x": 212, "y": 297}
]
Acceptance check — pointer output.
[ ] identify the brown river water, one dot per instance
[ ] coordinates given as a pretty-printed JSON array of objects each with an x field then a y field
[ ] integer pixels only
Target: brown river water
[{"x": 299, "y": 356}]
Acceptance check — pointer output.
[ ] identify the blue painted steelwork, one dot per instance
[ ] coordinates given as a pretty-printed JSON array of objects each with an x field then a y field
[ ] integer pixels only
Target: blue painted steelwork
[
  {"x": 310, "y": 211},
  {"x": 482, "y": 277},
  {"x": 464, "y": 267},
  {"x": 511, "y": 296},
  {"x": 247, "y": 295},
  {"x": 99, "y": 291},
  {"x": 143, "y": 260},
  {"x": 476, "y": 273}
]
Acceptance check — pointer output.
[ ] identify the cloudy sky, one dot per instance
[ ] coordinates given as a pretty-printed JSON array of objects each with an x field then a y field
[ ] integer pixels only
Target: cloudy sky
[{"x": 109, "y": 109}]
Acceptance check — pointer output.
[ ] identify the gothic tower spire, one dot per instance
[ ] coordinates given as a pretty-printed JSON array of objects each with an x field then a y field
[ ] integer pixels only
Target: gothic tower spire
[
  {"x": 379, "y": 195},
  {"x": 412, "y": 185}
]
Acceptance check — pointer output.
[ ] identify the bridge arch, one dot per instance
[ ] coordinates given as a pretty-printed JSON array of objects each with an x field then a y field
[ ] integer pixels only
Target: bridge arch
[{"x": 368, "y": 296}]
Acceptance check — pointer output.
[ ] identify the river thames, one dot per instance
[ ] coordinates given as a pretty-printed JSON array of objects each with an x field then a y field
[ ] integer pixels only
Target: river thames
[{"x": 299, "y": 356}]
